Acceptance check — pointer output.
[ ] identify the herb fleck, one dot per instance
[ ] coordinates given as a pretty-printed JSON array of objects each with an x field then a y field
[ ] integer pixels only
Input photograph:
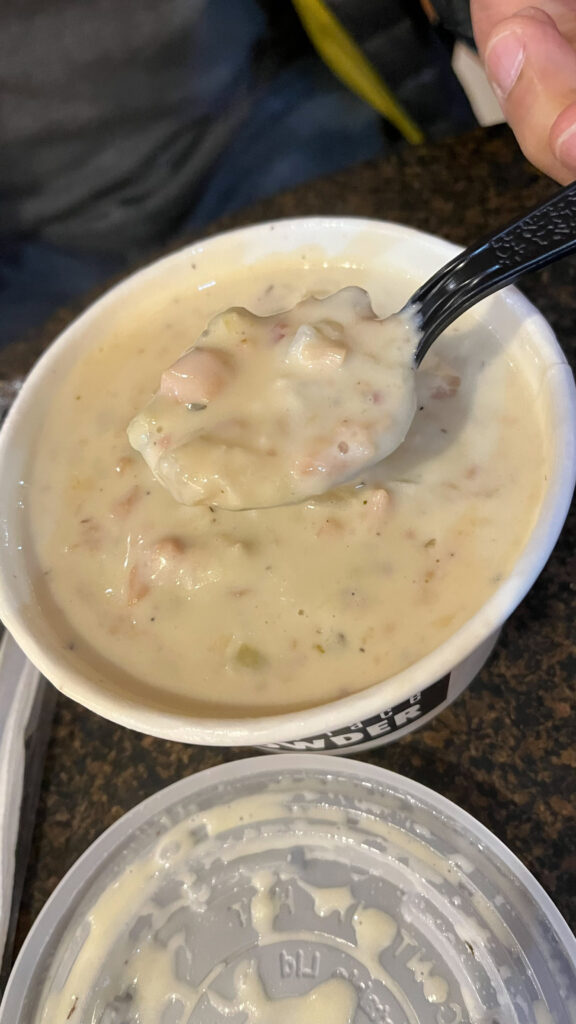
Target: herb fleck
[{"x": 250, "y": 657}]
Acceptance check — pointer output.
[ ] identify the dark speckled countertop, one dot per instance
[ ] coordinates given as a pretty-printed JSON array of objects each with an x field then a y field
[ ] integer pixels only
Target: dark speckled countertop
[{"x": 506, "y": 750}]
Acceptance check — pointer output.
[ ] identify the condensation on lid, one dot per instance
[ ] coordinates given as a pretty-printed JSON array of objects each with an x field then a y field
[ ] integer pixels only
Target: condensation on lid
[{"x": 278, "y": 889}]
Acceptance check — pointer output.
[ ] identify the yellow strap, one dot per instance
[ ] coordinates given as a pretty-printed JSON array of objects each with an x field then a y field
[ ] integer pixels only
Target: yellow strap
[{"x": 346, "y": 60}]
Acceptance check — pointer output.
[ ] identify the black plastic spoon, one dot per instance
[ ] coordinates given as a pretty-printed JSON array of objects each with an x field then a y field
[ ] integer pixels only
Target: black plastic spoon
[{"x": 545, "y": 234}]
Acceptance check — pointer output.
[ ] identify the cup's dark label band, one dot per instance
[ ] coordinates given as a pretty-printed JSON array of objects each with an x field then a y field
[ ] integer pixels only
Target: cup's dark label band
[{"x": 392, "y": 720}]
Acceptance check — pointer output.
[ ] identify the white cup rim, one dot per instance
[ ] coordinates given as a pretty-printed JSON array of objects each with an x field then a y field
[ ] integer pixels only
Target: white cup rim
[{"x": 281, "y": 727}]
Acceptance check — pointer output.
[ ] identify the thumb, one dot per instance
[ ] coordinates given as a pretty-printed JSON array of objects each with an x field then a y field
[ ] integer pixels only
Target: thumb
[{"x": 532, "y": 67}]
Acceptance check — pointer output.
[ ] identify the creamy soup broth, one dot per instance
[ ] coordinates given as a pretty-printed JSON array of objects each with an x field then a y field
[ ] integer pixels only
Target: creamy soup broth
[{"x": 210, "y": 611}]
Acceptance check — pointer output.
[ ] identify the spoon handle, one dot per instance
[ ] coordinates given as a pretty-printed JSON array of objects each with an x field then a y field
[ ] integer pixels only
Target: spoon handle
[{"x": 544, "y": 235}]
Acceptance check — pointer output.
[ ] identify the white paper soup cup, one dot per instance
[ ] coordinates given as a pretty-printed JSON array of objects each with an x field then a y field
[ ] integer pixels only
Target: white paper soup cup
[{"x": 384, "y": 711}]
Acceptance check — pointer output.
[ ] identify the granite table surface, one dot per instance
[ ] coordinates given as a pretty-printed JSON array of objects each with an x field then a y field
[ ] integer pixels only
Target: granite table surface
[{"x": 505, "y": 751}]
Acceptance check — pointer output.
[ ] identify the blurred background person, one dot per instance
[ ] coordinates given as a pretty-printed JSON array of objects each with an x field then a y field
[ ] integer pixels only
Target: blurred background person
[{"x": 126, "y": 125}]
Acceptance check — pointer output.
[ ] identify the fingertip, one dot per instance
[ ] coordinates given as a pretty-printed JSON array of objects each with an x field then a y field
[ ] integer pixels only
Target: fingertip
[
  {"x": 532, "y": 66},
  {"x": 506, "y": 46},
  {"x": 517, "y": 23}
]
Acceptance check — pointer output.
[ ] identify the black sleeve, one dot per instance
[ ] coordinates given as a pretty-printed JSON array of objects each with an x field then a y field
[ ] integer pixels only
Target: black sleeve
[{"x": 454, "y": 15}]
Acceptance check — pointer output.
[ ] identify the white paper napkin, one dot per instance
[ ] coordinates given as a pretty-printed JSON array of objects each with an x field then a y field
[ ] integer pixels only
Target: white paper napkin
[{"x": 20, "y": 686}]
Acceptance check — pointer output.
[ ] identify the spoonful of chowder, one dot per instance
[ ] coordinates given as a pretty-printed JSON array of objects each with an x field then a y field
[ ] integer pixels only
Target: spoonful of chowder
[{"x": 272, "y": 410}]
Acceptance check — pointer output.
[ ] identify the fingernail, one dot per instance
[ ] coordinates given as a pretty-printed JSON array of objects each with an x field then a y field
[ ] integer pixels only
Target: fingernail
[
  {"x": 566, "y": 148},
  {"x": 504, "y": 59}
]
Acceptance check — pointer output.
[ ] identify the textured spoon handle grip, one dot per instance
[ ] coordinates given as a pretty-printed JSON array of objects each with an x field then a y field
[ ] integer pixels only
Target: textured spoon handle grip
[{"x": 542, "y": 236}]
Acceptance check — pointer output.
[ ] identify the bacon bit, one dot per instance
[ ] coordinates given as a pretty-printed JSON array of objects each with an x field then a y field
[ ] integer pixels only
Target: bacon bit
[
  {"x": 90, "y": 535},
  {"x": 170, "y": 560},
  {"x": 167, "y": 554},
  {"x": 124, "y": 505},
  {"x": 446, "y": 387},
  {"x": 309, "y": 465},
  {"x": 168, "y": 548},
  {"x": 137, "y": 587},
  {"x": 126, "y": 462},
  {"x": 198, "y": 376},
  {"x": 330, "y": 528},
  {"x": 278, "y": 332}
]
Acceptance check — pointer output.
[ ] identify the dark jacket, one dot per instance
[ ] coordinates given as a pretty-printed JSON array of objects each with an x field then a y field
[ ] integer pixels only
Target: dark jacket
[{"x": 113, "y": 114}]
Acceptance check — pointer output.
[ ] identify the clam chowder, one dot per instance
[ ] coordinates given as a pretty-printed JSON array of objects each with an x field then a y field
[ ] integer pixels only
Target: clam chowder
[{"x": 196, "y": 608}]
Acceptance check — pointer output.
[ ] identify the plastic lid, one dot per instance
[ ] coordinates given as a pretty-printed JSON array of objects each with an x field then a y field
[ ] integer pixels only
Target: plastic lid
[{"x": 293, "y": 888}]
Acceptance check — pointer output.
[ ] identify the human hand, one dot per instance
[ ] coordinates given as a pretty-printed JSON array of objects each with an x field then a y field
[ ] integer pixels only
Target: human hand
[{"x": 530, "y": 57}]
